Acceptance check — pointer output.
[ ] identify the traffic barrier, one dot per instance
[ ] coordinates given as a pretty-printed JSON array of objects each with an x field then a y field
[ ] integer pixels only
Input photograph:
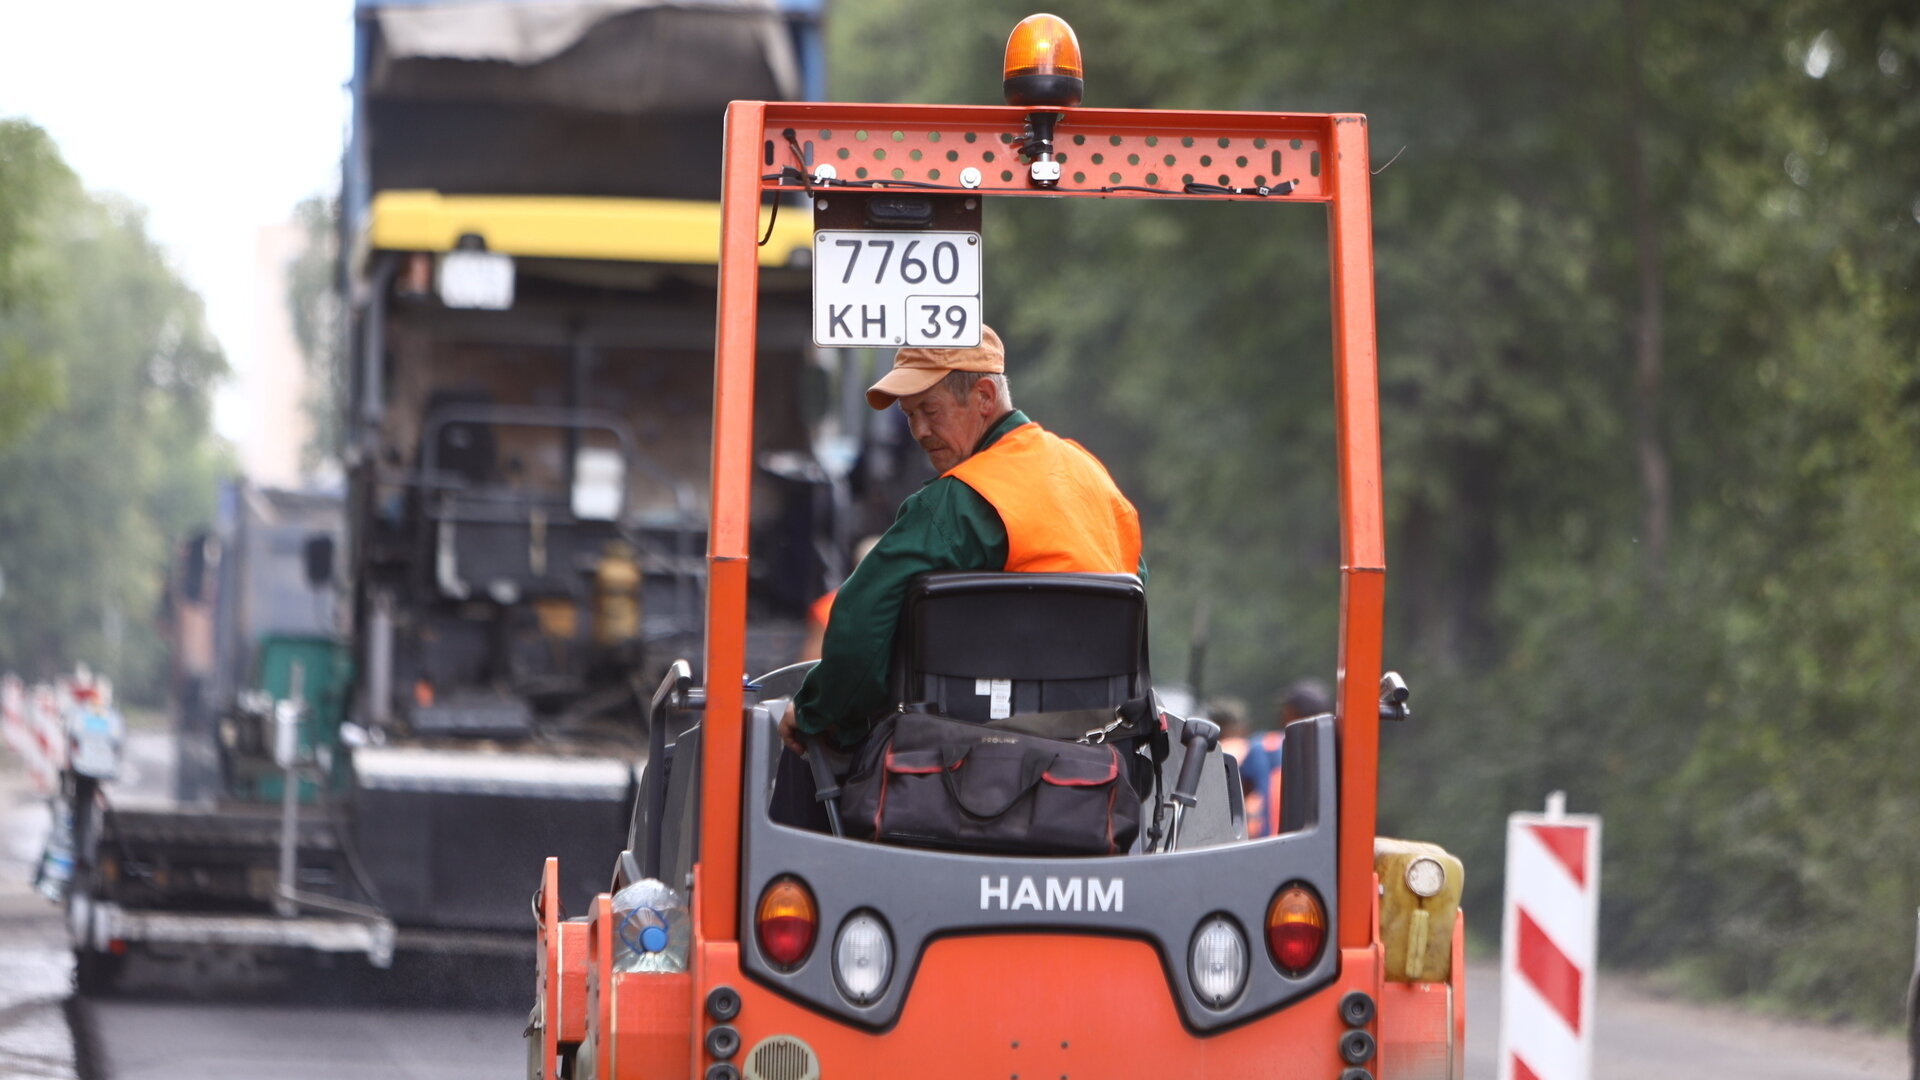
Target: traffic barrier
[
  {"x": 33, "y": 721},
  {"x": 1547, "y": 944},
  {"x": 46, "y": 720},
  {"x": 13, "y": 717}
]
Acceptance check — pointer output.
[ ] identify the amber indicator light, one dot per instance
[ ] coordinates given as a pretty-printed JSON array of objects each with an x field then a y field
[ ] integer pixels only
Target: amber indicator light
[{"x": 1043, "y": 63}]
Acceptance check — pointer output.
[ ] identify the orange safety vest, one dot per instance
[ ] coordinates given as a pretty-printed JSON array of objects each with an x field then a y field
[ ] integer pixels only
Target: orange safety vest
[
  {"x": 1062, "y": 511},
  {"x": 821, "y": 610}
]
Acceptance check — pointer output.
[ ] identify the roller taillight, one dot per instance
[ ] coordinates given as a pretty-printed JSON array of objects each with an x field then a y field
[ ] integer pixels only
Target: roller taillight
[
  {"x": 1296, "y": 929},
  {"x": 787, "y": 921}
]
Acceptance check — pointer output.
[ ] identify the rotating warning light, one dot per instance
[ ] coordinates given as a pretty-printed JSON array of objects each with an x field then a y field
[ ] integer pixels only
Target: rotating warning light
[{"x": 1043, "y": 64}]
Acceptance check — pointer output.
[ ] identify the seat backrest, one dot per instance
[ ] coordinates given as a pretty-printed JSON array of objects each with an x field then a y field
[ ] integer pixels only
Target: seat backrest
[
  {"x": 465, "y": 448},
  {"x": 982, "y": 646}
]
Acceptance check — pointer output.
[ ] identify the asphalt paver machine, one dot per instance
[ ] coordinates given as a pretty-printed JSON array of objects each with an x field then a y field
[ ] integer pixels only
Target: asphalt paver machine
[
  {"x": 530, "y": 262},
  {"x": 1325, "y": 951}
]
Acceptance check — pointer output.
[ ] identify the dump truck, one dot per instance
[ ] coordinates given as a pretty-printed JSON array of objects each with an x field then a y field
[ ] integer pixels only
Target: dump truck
[{"x": 779, "y": 949}]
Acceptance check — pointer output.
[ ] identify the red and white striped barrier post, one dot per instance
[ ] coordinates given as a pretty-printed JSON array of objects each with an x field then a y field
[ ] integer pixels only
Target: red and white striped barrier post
[
  {"x": 1547, "y": 944},
  {"x": 13, "y": 715},
  {"x": 46, "y": 721}
]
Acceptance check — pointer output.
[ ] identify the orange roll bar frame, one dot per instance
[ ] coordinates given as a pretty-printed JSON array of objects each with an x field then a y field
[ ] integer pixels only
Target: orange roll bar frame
[{"x": 1109, "y": 153}]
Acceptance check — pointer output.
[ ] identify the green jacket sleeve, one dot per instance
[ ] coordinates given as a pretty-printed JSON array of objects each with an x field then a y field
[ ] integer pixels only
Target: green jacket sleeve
[{"x": 943, "y": 526}]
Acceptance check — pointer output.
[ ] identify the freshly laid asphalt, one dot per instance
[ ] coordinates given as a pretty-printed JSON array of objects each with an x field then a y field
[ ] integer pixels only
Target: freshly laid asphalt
[{"x": 197, "y": 1017}]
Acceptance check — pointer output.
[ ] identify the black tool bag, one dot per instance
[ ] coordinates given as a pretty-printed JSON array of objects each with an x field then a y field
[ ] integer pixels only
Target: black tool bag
[{"x": 934, "y": 782}]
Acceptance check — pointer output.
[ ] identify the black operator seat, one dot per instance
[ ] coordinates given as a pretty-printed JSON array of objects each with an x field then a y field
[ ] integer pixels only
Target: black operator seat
[
  {"x": 1035, "y": 642},
  {"x": 463, "y": 448},
  {"x": 1058, "y": 643}
]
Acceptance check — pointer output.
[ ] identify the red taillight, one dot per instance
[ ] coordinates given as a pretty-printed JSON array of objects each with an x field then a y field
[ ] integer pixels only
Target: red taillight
[
  {"x": 1296, "y": 928},
  {"x": 786, "y": 921}
]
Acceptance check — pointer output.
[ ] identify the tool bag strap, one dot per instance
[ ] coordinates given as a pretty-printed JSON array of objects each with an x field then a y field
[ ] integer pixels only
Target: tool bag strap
[
  {"x": 1034, "y": 764},
  {"x": 1094, "y": 726}
]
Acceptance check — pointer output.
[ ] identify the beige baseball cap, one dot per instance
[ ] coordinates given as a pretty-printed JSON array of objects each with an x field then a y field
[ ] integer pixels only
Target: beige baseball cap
[{"x": 916, "y": 369}]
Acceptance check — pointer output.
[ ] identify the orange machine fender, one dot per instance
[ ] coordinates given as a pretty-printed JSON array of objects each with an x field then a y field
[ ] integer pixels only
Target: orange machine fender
[
  {"x": 640, "y": 1018},
  {"x": 562, "y": 964},
  {"x": 1423, "y": 1025},
  {"x": 1089, "y": 1006},
  {"x": 1459, "y": 993},
  {"x": 561, "y": 977},
  {"x": 596, "y": 1044}
]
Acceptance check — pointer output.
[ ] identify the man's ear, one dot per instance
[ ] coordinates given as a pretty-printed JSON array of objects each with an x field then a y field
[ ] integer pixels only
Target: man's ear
[{"x": 984, "y": 395}]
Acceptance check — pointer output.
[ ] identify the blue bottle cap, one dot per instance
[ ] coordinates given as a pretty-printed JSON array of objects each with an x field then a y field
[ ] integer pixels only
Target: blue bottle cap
[{"x": 653, "y": 938}]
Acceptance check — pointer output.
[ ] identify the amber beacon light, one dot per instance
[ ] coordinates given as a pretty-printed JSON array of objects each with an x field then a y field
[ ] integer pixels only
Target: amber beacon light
[{"x": 1043, "y": 64}]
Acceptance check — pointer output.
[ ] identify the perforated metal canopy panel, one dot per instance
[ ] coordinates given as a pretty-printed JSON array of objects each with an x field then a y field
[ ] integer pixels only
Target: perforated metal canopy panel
[{"x": 1202, "y": 155}]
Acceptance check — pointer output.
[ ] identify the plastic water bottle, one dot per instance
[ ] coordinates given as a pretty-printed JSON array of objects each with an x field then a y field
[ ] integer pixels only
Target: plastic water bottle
[
  {"x": 650, "y": 928},
  {"x": 56, "y": 862}
]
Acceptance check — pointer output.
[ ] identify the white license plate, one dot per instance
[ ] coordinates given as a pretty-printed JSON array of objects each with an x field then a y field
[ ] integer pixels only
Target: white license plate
[{"x": 895, "y": 287}]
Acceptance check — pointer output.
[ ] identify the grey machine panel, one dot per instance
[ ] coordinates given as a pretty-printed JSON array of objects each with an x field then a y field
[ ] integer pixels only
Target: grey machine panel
[{"x": 923, "y": 895}]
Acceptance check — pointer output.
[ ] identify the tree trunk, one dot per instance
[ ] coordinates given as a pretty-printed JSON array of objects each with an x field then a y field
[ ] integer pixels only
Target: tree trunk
[{"x": 1649, "y": 318}]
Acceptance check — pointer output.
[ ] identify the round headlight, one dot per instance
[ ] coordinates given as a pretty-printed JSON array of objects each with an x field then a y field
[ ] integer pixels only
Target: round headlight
[
  {"x": 1425, "y": 876},
  {"x": 862, "y": 958},
  {"x": 1218, "y": 962}
]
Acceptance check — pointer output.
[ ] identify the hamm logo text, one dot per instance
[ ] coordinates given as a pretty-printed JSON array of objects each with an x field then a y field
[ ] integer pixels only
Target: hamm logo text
[{"x": 1054, "y": 894}]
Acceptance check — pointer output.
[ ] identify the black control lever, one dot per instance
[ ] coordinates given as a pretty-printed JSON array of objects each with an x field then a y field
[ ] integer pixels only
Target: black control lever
[
  {"x": 1393, "y": 697},
  {"x": 1199, "y": 737},
  {"x": 825, "y": 788}
]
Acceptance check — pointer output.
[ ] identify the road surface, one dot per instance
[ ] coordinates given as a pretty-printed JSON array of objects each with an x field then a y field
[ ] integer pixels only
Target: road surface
[
  {"x": 1639, "y": 1035},
  {"x": 152, "y": 1034},
  {"x": 185, "y": 1020},
  {"x": 34, "y": 962},
  {"x": 192, "y": 1018}
]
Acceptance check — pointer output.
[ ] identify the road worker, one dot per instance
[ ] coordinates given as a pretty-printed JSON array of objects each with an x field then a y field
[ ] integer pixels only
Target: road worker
[
  {"x": 1010, "y": 495},
  {"x": 819, "y": 611},
  {"x": 1260, "y": 770}
]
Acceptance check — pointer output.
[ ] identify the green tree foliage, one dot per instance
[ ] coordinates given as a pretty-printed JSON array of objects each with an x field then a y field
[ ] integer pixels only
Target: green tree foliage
[
  {"x": 31, "y": 173},
  {"x": 121, "y": 464},
  {"x": 1732, "y": 700}
]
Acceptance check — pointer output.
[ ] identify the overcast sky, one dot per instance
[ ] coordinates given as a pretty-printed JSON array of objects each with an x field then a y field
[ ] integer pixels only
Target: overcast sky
[{"x": 217, "y": 115}]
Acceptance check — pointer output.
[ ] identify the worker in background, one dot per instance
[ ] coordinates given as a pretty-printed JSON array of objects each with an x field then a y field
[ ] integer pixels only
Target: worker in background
[
  {"x": 1231, "y": 714},
  {"x": 821, "y": 609},
  {"x": 1010, "y": 495},
  {"x": 1260, "y": 769}
]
